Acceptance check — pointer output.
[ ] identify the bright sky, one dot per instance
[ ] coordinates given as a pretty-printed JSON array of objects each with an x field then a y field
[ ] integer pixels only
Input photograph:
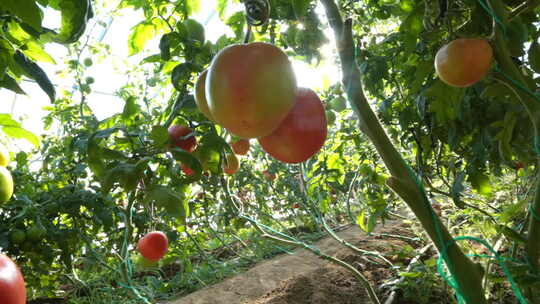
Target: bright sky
[{"x": 110, "y": 74}]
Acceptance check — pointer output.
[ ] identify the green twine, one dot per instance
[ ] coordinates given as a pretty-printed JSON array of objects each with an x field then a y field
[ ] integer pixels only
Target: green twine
[
  {"x": 498, "y": 20},
  {"x": 533, "y": 213},
  {"x": 500, "y": 260}
]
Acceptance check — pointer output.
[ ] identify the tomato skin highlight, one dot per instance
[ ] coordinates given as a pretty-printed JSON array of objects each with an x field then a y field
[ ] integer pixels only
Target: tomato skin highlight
[
  {"x": 250, "y": 88},
  {"x": 463, "y": 62},
  {"x": 302, "y": 133},
  {"x": 240, "y": 147},
  {"x": 176, "y": 134},
  {"x": 12, "y": 286},
  {"x": 200, "y": 95}
]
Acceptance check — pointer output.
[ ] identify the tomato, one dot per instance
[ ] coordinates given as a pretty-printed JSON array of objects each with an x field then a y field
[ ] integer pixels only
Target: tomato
[
  {"x": 296, "y": 206},
  {"x": 463, "y": 62},
  {"x": 179, "y": 136},
  {"x": 338, "y": 104},
  {"x": 6, "y": 185},
  {"x": 231, "y": 164},
  {"x": 187, "y": 170},
  {"x": 200, "y": 95},
  {"x": 35, "y": 233},
  {"x": 269, "y": 176},
  {"x": 241, "y": 146},
  {"x": 4, "y": 156},
  {"x": 302, "y": 133},
  {"x": 330, "y": 117},
  {"x": 17, "y": 236},
  {"x": 250, "y": 88},
  {"x": 12, "y": 289},
  {"x": 153, "y": 245},
  {"x": 519, "y": 165}
]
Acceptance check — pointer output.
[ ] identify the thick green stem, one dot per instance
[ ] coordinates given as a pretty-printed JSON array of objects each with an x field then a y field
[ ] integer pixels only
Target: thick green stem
[{"x": 403, "y": 181}]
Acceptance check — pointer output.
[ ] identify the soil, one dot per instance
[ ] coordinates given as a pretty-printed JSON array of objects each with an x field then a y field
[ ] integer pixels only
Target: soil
[{"x": 303, "y": 278}]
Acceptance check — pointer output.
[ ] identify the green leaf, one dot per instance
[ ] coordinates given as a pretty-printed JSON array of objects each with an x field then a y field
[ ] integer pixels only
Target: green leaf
[
  {"x": 10, "y": 84},
  {"x": 27, "y": 10},
  {"x": 33, "y": 71},
  {"x": 75, "y": 15},
  {"x": 165, "y": 47},
  {"x": 222, "y": 8},
  {"x": 480, "y": 182},
  {"x": 445, "y": 101},
  {"x": 189, "y": 160},
  {"x": 14, "y": 129},
  {"x": 130, "y": 108},
  {"x": 37, "y": 53},
  {"x": 175, "y": 204},
  {"x": 534, "y": 56},
  {"x": 140, "y": 35},
  {"x": 159, "y": 135},
  {"x": 511, "y": 234},
  {"x": 181, "y": 74},
  {"x": 411, "y": 27},
  {"x": 300, "y": 7}
]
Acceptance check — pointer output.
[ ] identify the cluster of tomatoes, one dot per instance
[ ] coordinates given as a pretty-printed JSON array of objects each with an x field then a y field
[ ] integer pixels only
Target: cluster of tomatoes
[
  {"x": 250, "y": 90},
  {"x": 12, "y": 289}
]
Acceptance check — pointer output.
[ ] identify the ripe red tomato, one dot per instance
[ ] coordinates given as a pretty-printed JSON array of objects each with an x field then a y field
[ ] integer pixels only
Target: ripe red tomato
[
  {"x": 269, "y": 176},
  {"x": 153, "y": 245},
  {"x": 519, "y": 165},
  {"x": 200, "y": 95},
  {"x": 296, "y": 206},
  {"x": 231, "y": 164},
  {"x": 177, "y": 135},
  {"x": 12, "y": 289},
  {"x": 250, "y": 88},
  {"x": 241, "y": 146},
  {"x": 463, "y": 62},
  {"x": 302, "y": 133},
  {"x": 187, "y": 170}
]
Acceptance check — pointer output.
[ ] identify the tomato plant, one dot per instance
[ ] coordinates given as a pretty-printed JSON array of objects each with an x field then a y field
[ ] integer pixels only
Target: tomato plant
[
  {"x": 250, "y": 88},
  {"x": 12, "y": 286},
  {"x": 302, "y": 133},
  {"x": 153, "y": 246}
]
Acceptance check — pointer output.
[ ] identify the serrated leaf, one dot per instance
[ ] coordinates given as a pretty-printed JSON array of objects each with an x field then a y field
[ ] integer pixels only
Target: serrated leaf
[
  {"x": 14, "y": 129},
  {"x": 140, "y": 35},
  {"x": 189, "y": 160},
  {"x": 445, "y": 101},
  {"x": 27, "y": 10},
  {"x": 33, "y": 71},
  {"x": 534, "y": 56},
  {"x": 10, "y": 84}
]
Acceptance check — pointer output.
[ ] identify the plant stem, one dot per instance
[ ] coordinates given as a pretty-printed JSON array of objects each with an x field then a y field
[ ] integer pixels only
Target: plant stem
[{"x": 403, "y": 181}]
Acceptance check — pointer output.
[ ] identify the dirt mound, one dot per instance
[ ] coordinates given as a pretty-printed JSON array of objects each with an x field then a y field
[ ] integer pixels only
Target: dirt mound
[{"x": 303, "y": 278}]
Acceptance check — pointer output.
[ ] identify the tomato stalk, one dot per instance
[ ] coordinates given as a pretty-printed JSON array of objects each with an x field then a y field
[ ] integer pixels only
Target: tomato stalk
[{"x": 403, "y": 181}]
